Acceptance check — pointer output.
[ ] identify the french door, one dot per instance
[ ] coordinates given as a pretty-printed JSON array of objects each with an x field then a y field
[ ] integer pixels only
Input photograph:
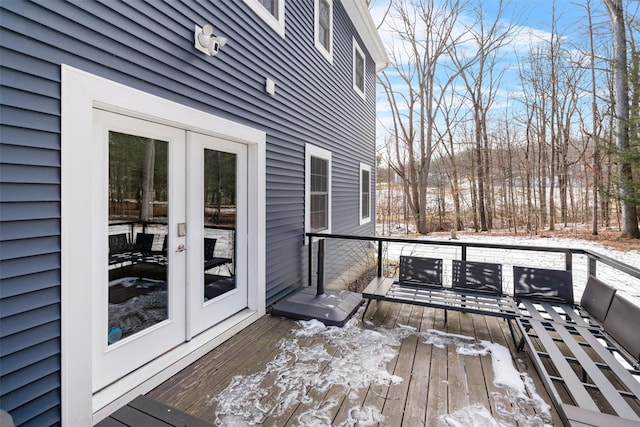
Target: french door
[
  {"x": 172, "y": 205},
  {"x": 217, "y": 212}
]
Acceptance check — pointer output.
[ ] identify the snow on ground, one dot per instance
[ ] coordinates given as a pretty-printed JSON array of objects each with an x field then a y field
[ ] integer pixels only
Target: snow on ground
[
  {"x": 626, "y": 284},
  {"x": 319, "y": 357}
]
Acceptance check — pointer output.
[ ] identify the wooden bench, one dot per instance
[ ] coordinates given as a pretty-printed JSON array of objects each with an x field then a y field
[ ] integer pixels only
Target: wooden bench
[
  {"x": 586, "y": 354},
  {"x": 477, "y": 288}
]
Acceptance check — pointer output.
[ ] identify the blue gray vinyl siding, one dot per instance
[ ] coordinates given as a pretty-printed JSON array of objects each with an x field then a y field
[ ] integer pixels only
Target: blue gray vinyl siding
[{"x": 149, "y": 46}]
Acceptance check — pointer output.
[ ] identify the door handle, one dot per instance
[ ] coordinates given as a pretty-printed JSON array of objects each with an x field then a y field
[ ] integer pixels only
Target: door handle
[{"x": 181, "y": 248}]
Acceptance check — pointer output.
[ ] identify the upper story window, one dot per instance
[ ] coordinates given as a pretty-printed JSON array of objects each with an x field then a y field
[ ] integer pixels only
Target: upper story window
[
  {"x": 365, "y": 193},
  {"x": 271, "y": 6},
  {"x": 271, "y": 12},
  {"x": 317, "y": 189},
  {"x": 358, "y": 69},
  {"x": 324, "y": 27}
]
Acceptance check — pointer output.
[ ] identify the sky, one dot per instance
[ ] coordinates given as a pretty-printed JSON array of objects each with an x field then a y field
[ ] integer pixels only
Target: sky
[{"x": 533, "y": 20}]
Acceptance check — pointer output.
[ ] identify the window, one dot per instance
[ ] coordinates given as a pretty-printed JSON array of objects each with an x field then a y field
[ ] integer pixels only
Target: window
[
  {"x": 358, "y": 69},
  {"x": 271, "y": 12},
  {"x": 365, "y": 193},
  {"x": 271, "y": 6},
  {"x": 317, "y": 190},
  {"x": 324, "y": 28}
]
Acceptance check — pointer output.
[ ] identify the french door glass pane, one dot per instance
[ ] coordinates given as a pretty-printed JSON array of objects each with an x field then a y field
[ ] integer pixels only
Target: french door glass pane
[
  {"x": 138, "y": 218},
  {"x": 220, "y": 216}
]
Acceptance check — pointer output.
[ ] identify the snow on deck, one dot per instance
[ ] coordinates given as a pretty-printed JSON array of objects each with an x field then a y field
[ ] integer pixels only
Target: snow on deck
[{"x": 402, "y": 365}]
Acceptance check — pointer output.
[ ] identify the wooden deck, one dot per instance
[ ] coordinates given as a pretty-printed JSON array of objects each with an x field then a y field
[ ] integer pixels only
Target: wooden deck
[{"x": 436, "y": 381}]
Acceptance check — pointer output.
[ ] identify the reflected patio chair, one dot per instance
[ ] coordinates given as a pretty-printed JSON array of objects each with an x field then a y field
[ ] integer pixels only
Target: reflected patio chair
[
  {"x": 211, "y": 261},
  {"x": 144, "y": 243},
  {"x": 119, "y": 248}
]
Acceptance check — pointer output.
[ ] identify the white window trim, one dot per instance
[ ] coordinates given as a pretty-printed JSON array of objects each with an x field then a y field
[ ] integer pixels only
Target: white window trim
[
  {"x": 328, "y": 54},
  {"x": 357, "y": 50},
  {"x": 276, "y": 23},
  {"x": 314, "y": 151},
  {"x": 364, "y": 220},
  {"x": 81, "y": 93}
]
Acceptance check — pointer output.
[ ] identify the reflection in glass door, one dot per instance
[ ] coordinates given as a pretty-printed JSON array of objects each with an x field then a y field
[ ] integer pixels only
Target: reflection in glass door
[
  {"x": 174, "y": 209},
  {"x": 139, "y": 293},
  {"x": 217, "y": 238},
  {"x": 219, "y": 219},
  {"x": 138, "y": 218}
]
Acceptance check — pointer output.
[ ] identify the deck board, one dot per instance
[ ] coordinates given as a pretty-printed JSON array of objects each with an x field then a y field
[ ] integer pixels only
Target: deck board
[
  {"x": 458, "y": 379},
  {"x": 437, "y": 393},
  {"x": 436, "y": 381},
  {"x": 395, "y": 402},
  {"x": 416, "y": 403},
  {"x": 214, "y": 371},
  {"x": 146, "y": 412}
]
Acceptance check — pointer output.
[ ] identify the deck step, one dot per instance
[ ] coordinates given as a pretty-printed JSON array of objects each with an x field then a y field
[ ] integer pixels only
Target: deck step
[{"x": 146, "y": 412}]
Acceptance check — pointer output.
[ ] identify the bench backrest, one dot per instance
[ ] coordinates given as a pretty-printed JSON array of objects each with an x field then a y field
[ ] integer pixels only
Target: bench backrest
[
  {"x": 419, "y": 270},
  {"x": 543, "y": 284},
  {"x": 118, "y": 243},
  {"x": 165, "y": 244},
  {"x": 144, "y": 242},
  {"x": 622, "y": 323},
  {"x": 477, "y": 276},
  {"x": 597, "y": 298},
  {"x": 209, "y": 248}
]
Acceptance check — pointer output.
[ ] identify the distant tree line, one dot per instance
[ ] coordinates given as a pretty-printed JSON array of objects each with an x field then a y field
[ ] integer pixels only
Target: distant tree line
[{"x": 566, "y": 149}]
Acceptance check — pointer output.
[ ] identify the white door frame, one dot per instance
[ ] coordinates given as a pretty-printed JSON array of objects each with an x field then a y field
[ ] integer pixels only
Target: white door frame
[{"x": 81, "y": 92}]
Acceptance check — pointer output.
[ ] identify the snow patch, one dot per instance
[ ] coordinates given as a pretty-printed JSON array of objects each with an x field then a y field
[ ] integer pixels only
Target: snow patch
[
  {"x": 318, "y": 357},
  {"x": 359, "y": 361},
  {"x": 474, "y": 415}
]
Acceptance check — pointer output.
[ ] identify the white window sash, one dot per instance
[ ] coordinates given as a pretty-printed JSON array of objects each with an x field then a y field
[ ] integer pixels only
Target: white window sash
[
  {"x": 312, "y": 151},
  {"x": 364, "y": 219},
  {"x": 327, "y": 54},
  {"x": 357, "y": 52},
  {"x": 275, "y": 22}
]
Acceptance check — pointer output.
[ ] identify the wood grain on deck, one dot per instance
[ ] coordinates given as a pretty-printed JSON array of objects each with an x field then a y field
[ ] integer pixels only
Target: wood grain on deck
[{"x": 437, "y": 381}]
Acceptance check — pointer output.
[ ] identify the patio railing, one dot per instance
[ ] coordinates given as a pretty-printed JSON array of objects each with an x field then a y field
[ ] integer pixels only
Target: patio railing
[{"x": 462, "y": 249}]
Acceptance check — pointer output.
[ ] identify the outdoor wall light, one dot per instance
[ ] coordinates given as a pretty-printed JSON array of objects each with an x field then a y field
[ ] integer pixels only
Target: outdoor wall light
[{"x": 206, "y": 42}]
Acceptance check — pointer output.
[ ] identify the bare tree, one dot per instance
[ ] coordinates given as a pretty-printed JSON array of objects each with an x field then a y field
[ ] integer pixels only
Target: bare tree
[
  {"x": 425, "y": 32},
  {"x": 481, "y": 77},
  {"x": 452, "y": 118},
  {"x": 595, "y": 122},
  {"x": 628, "y": 206}
]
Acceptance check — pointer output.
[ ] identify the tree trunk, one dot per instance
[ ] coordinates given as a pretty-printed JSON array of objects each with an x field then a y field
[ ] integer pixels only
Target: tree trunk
[
  {"x": 629, "y": 213},
  {"x": 148, "y": 196},
  {"x": 482, "y": 212}
]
